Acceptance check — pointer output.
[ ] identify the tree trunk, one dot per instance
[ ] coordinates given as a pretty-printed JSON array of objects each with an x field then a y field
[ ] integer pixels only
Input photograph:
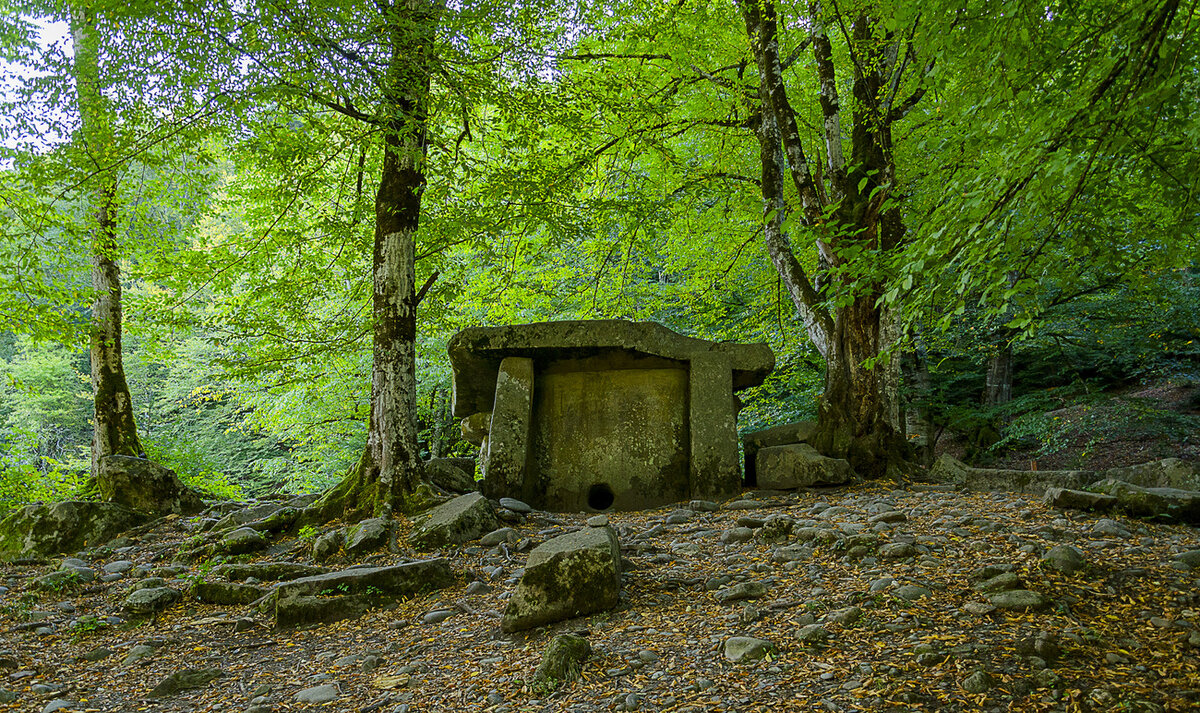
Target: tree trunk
[
  {"x": 851, "y": 209},
  {"x": 999, "y": 382},
  {"x": 115, "y": 432},
  {"x": 388, "y": 476}
]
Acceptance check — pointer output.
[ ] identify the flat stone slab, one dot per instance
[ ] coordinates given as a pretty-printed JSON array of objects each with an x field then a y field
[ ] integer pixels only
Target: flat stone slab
[
  {"x": 948, "y": 469},
  {"x": 568, "y": 576},
  {"x": 350, "y": 593},
  {"x": 476, "y": 353},
  {"x": 268, "y": 571},
  {"x": 402, "y": 580}
]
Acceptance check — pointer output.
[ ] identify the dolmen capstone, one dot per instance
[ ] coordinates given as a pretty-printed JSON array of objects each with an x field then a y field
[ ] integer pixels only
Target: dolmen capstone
[{"x": 606, "y": 414}]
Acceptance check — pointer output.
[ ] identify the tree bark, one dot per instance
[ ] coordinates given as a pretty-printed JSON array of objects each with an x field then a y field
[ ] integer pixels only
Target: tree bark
[
  {"x": 858, "y": 416},
  {"x": 388, "y": 476},
  {"x": 115, "y": 431}
]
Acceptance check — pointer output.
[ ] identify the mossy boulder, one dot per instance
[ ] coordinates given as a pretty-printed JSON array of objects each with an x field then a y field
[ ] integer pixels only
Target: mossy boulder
[
  {"x": 465, "y": 518},
  {"x": 1164, "y": 503},
  {"x": 571, "y": 575},
  {"x": 563, "y": 660},
  {"x": 226, "y": 593},
  {"x": 39, "y": 531},
  {"x": 368, "y": 535},
  {"x": 454, "y": 475},
  {"x": 341, "y": 595},
  {"x": 145, "y": 485}
]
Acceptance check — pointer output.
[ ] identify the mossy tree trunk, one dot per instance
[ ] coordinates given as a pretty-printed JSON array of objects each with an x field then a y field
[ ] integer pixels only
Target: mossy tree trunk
[
  {"x": 851, "y": 206},
  {"x": 115, "y": 432},
  {"x": 388, "y": 476}
]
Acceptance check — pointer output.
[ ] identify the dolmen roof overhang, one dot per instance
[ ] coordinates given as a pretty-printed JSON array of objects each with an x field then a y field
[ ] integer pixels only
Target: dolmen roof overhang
[{"x": 476, "y": 352}]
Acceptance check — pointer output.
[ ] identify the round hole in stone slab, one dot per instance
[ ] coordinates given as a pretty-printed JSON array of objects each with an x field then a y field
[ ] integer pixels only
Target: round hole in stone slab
[{"x": 600, "y": 497}]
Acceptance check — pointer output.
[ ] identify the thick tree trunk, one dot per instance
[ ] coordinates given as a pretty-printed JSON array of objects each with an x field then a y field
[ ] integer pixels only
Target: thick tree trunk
[
  {"x": 999, "y": 381},
  {"x": 115, "y": 432},
  {"x": 388, "y": 476}
]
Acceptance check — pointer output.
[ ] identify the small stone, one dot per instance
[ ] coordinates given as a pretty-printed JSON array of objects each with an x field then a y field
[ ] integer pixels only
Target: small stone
[
  {"x": 747, "y": 648},
  {"x": 897, "y": 550},
  {"x": 151, "y": 600},
  {"x": 737, "y": 535},
  {"x": 813, "y": 634},
  {"x": 495, "y": 537},
  {"x": 1020, "y": 600},
  {"x": 185, "y": 680},
  {"x": 319, "y": 694},
  {"x": 7, "y": 696},
  {"x": 1190, "y": 559},
  {"x": 704, "y": 506},
  {"x": 59, "y": 704},
  {"x": 1001, "y": 583},
  {"x": 437, "y": 616},
  {"x": 563, "y": 659},
  {"x": 516, "y": 505},
  {"x": 977, "y": 682},
  {"x": 1064, "y": 558},
  {"x": 1111, "y": 528},
  {"x": 597, "y": 520},
  {"x": 741, "y": 591},
  {"x": 913, "y": 592}
]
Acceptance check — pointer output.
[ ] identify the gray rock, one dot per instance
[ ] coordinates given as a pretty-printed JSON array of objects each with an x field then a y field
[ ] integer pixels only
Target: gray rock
[
  {"x": 184, "y": 680},
  {"x": 812, "y": 634},
  {"x": 977, "y": 682},
  {"x": 600, "y": 520},
  {"x": 799, "y": 466},
  {"x": 268, "y": 571},
  {"x": 455, "y": 475},
  {"x": 437, "y": 616},
  {"x": 144, "y": 485},
  {"x": 328, "y": 544},
  {"x": 1064, "y": 558},
  {"x": 912, "y": 592},
  {"x": 460, "y": 520},
  {"x": 737, "y": 535},
  {"x": 37, "y": 531},
  {"x": 1190, "y": 559},
  {"x": 7, "y": 696},
  {"x": 118, "y": 567},
  {"x": 1001, "y": 583},
  {"x": 1019, "y": 600},
  {"x": 308, "y": 600},
  {"x": 1110, "y": 528},
  {"x": 568, "y": 576},
  {"x": 704, "y": 506},
  {"x": 1078, "y": 499},
  {"x": 151, "y": 600},
  {"x": 495, "y": 537},
  {"x": 319, "y": 694},
  {"x": 785, "y": 434},
  {"x": 228, "y": 593},
  {"x": 137, "y": 653},
  {"x": 1166, "y": 503},
  {"x": 59, "y": 704},
  {"x": 563, "y": 660},
  {"x": 1166, "y": 473},
  {"x": 747, "y": 648},
  {"x": 947, "y": 469},
  {"x": 742, "y": 591},
  {"x": 516, "y": 505},
  {"x": 245, "y": 516},
  {"x": 368, "y": 535},
  {"x": 242, "y": 541},
  {"x": 897, "y": 550}
]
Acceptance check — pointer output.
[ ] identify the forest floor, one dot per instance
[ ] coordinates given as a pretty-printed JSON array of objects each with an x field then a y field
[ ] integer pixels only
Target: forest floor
[{"x": 903, "y": 626}]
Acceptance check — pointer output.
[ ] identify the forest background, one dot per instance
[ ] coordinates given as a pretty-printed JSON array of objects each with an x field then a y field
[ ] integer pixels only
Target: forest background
[{"x": 596, "y": 162}]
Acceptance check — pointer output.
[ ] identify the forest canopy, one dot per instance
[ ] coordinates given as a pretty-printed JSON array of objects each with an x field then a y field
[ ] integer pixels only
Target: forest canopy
[{"x": 267, "y": 218}]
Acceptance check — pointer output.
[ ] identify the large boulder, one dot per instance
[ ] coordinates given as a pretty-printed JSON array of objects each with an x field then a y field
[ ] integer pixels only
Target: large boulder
[
  {"x": 1166, "y": 473},
  {"x": 568, "y": 576},
  {"x": 465, "y": 518},
  {"x": 786, "y": 434},
  {"x": 370, "y": 534},
  {"x": 349, "y": 593},
  {"x": 948, "y": 469},
  {"x": 454, "y": 475},
  {"x": 145, "y": 485},
  {"x": 1166, "y": 503},
  {"x": 799, "y": 465},
  {"x": 44, "y": 530},
  {"x": 1077, "y": 499}
]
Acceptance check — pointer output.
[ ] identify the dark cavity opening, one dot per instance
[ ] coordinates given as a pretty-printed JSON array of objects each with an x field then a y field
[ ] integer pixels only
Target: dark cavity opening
[{"x": 600, "y": 497}]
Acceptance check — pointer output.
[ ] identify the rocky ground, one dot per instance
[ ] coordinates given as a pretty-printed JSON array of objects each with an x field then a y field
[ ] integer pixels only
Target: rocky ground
[{"x": 863, "y": 598}]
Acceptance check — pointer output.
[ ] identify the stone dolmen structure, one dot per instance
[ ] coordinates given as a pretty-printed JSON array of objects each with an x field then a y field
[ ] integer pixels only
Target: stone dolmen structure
[{"x": 606, "y": 414}]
